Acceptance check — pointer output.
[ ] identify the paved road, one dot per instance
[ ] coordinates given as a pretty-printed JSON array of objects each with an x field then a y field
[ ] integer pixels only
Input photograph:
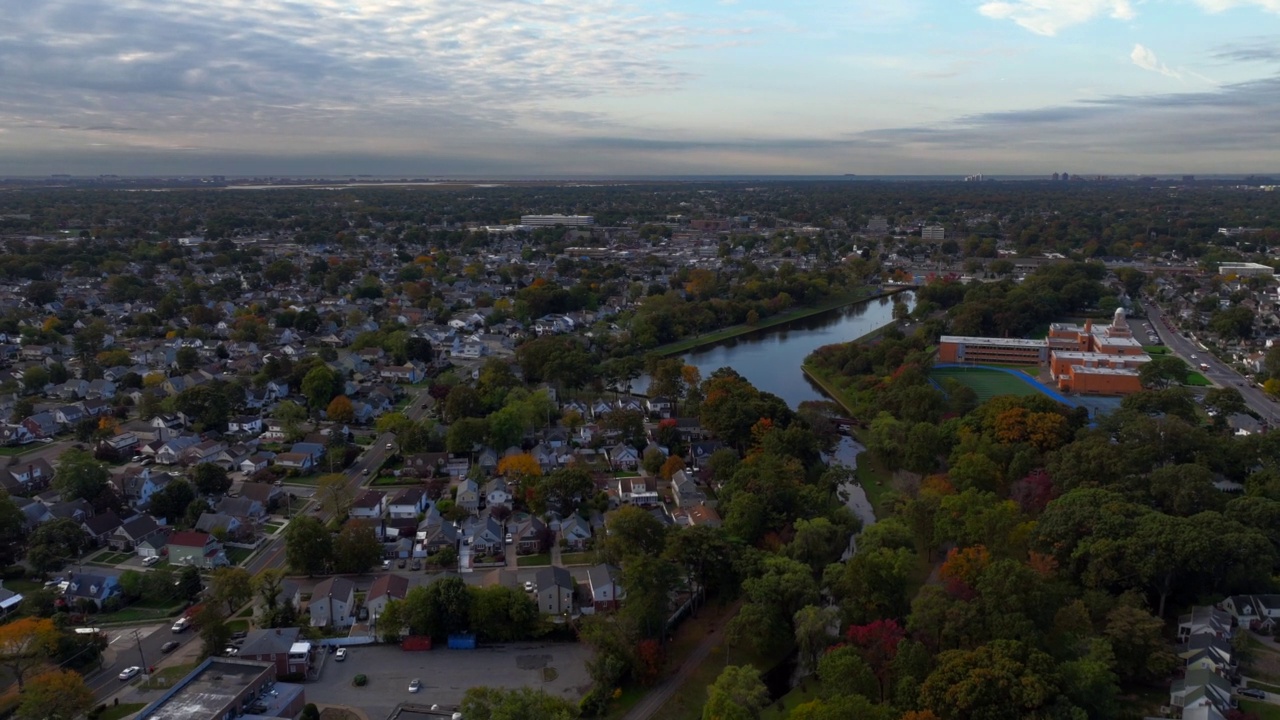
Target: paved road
[
  {"x": 1219, "y": 372},
  {"x": 122, "y": 652}
]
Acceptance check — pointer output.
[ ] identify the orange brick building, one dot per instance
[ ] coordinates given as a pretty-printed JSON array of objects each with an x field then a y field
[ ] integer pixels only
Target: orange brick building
[{"x": 1081, "y": 359}]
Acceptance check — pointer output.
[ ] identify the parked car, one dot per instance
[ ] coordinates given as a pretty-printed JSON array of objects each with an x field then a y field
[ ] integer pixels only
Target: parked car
[
  {"x": 414, "y": 685},
  {"x": 510, "y": 539},
  {"x": 389, "y": 446},
  {"x": 416, "y": 564},
  {"x": 530, "y": 586},
  {"x": 239, "y": 635},
  {"x": 362, "y": 614},
  {"x": 386, "y": 564},
  {"x": 129, "y": 672},
  {"x": 400, "y": 563},
  {"x": 1253, "y": 693},
  {"x": 340, "y": 655},
  {"x": 169, "y": 646},
  {"x": 181, "y": 625},
  {"x": 364, "y": 471},
  {"x": 231, "y": 651},
  {"x": 150, "y": 560}
]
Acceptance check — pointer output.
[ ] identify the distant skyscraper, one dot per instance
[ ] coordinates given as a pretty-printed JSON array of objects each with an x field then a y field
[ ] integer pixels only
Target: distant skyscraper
[
  {"x": 1056, "y": 177},
  {"x": 1066, "y": 176}
]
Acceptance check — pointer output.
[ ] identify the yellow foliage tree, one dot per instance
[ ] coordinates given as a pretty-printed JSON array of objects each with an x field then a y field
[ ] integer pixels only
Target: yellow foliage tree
[
  {"x": 522, "y": 465},
  {"x": 672, "y": 465},
  {"x": 56, "y": 695},
  {"x": 26, "y": 644},
  {"x": 964, "y": 564},
  {"x": 340, "y": 409},
  {"x": 153, "y": 380}
]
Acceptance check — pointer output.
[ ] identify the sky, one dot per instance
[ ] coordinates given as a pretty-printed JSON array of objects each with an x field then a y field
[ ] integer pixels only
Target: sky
[{"x": 613, "y": 87}]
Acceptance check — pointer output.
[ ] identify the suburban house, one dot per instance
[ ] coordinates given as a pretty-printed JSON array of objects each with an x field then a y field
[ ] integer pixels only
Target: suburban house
[
  {"x": 486, "y": 535},
  {"x": 685, "y": 491},
  {"x": 638, "y": 491},
  {"x": 468, "y": 497},
  {"x": 100, "y": 527},
  {"x": 93, "y": 588},
  {"x": 624, "y": 457},
  {"x": 370, "y": 504},
  {"x": 408, "y": 503},
  {"x": 295, "y": 461},
  {"x": 155, "y": 546},
  {"x": 497, "y": 493},
  {"x": 191, "y": 547},
  {"x": 333, "y": 603},
  {"x": 1256, "y": 612},
  {"x": 385, "y": 589},
  {"x": 283, "y": 647},
  {"x": 133, "y": 532},
  {"x": 576, "y": 532},
  {"x": 1204, "y": 692},
  {"x": 555, "y": 591},
  {"x": 605, "y": 593},
  {"x": 530, "y": 536}
]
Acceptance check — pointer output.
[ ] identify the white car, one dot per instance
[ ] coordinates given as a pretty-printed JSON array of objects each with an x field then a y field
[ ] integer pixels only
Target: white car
[
  {"x": 415, "y": 685},
  {"x": 129, "y": 672},
  {"x": 530, "y": 586},
  {"x": 388, "y": 446},
  {"x": 150, "y": 560},
  {"x": 510, "y": 539},
  {"x": 340, "y": 655}
]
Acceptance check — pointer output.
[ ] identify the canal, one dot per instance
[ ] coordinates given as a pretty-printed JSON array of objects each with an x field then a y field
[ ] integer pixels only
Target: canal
[{"x": 771, "y": 358}]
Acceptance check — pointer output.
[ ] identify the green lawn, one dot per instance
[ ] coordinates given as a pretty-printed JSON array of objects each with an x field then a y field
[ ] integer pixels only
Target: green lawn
[
  {"x": 141, "y": 611},
  {"x": 237, "y": 556},
  {"x": 107, "y": 557},
  {"x": 238, "y": 625},
  {"x": 533, "y": 560},
  {"x": 1269, "y": 687},
  {"x": 14, "y": 450},
  {"x": 986, "y": 383},
  {"x": 121, "y": 711},
  {"x": 1195, "y": 379},
  {"x": 385, "y": 480},
  {"x": 804, "y": 692},
  {"x": 1260, "y": 709},
  {"x": 1156, "y": 349},
  {"x": 580, "y": 558}
]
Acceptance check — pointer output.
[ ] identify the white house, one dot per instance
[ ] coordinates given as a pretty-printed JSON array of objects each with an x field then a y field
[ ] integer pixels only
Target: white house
[
  {"x": 408, "y": 503},
  {"x": 333, "y": 603}
]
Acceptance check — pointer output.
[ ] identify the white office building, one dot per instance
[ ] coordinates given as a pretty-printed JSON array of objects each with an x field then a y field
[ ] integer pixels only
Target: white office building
[
  {"x": 933, "y": 233},
  {"x": 553, "y": 220},
  {"x": 1246, "y": 269}
]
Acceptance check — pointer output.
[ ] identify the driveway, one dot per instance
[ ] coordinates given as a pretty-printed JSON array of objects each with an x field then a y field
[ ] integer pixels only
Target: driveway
[{"x": 558, "y": 668}]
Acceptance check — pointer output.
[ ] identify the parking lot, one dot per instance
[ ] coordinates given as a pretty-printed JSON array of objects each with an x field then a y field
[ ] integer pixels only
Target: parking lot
[{"x": 558, "y": 668}]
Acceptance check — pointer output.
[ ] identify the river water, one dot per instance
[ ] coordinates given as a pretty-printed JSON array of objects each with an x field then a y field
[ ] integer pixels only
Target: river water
[{"x": 771, "y": 358}]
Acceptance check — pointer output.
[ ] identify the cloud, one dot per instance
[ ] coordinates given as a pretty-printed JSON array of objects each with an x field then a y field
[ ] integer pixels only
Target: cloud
[
  {"x": 1263, "y": 50},
  {"x": 1047, "y": 17},
  {"x": 1222, "y": 5},
  {"x": 1145, "y": 58}
]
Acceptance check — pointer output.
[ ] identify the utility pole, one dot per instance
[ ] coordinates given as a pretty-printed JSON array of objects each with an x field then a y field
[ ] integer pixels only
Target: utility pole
[{"x": 138, "y": 638}]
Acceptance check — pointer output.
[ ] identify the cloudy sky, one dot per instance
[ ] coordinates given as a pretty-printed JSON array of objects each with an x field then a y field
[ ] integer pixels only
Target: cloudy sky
[{"x": 611, "y": 87}]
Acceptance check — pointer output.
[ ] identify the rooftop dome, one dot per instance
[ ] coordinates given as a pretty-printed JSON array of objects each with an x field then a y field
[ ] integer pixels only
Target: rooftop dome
[{"x": 1119, "y": 321}]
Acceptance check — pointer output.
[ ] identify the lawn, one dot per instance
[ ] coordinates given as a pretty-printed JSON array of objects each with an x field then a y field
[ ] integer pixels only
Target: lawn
[
  {"x": 533, "y": 560},
  {"x": 138, "y": 612},
  {"x": 121, "y": 711},
  {"x": 579, "y": 558},
  {"x": 237, "y": 555},
  {"x": 1260, "y": 709},
  {"x": 384, "y": 480},
  {"x": 1269, "y": 687},
  {"x": 238, "y": 625},
  {"x": 164, "y": 678},
  {"x": 1195, "y": 379},
  {"x": 875, "y": 480},
  {"x": 11, "y": 451},
  {"x": 804, "y": 692},
  {"x": 986, "y": 383},
  {"x": 106, "y": 557},
  {"x": 274, "y": 527},
  {"x": 1155, "y": 349}
]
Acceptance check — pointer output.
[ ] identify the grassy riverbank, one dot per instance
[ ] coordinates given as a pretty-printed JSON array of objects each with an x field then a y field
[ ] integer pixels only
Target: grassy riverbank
[{"x": 862, "y": 295}]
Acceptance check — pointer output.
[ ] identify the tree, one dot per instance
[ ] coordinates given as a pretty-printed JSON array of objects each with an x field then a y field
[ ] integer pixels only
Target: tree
[
  {"x": 308, "y": 547},
  {"x": 392, "y": 621},
  {"x": 813, "y": 634},
  {"x": 55, "y": 543},
  {"x": 486, "y": 703},
  {"x": 233, "y": 586},
  {"x": 55, "y": 695},
  {"x": 211, "y": 479},
  {"x": 268, "y": 587},
  {"x": 842, "y": 671},
  {"x": 171, "y": 501},
  {"x": 214, "y": 631},
  {"x": 1002, "y": 680},
  {"x": 816, "y": 542},
  {"x": 1137, "y": 641},
  {"x": 25, "y": 644},
  {"x": 705, "y": 555},
  {"x": 340, "y": 410},
  {"x": 738, "y": 694},
  {"x": 1235, "y": 323},
  {"x": 503, "y": 614},
  {"x": 522, "y": 465},
  {"x": 633, "y": 531},
  {"x": 562, "y": 490},
  {"x": 463, "y": 402},
  {"x": 670, "y": 466},
  {"x": 290, "y": 414},
  {"x": 319, "y": 386},
  {"x": 440, "y": 609},
  {"x": 187, "y": 357},
  {"x": 189, "y": 584},
  {"x": 335, "y": 494},
  {"x": 1163, "y": 371},
  {"x": 465, "y": 435},
  {"x": 842, "y": 707},
  {"x": 356, "y": 549},
  {"x": 79, "y": 476},
  {"x": 874, "y": 583},
  {"x": 13, "y": 529},
  {"x": 34, "y": 379},
  {"x": 773, "y": 597},
  {"x": 648, "y": 580}
]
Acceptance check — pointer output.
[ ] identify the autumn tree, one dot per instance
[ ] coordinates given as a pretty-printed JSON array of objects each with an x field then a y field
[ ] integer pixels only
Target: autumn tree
[
  {"x": 356, "y": 549},
  {"x": 522, "y": 465},
  {"x": 738, "y": 694},
  {"x": 340, "y": 410},
  {"x": 671, "y": 466},
  {"x": 231, "y": 585},
  {"x": 335, "y": 494},
  {"x": 25, "y": 644},
  {"x": 55, "y": 695}
]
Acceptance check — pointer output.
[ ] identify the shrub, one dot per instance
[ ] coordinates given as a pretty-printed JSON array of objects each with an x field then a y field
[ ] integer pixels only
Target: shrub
[
  {"x": 360, "y": 680},
  {"x": 595, "y": 703}
]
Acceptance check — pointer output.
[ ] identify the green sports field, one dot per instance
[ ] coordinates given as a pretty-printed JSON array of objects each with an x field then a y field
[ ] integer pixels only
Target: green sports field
[{"x": 986, "y": 383}]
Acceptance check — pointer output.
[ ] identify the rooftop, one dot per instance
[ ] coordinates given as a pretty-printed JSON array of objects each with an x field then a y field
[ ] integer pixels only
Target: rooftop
[
  {"x": 994, "y": 342},
  {"x": 209, "y": 691}
]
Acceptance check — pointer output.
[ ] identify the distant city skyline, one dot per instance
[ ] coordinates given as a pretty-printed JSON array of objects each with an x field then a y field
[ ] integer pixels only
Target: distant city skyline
[{"x": 616, "y": 88}]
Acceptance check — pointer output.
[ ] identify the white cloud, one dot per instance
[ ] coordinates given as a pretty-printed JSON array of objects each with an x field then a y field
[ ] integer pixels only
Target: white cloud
[
  {"x": 1047, "y": 17},
  {"x": 1222, "y": 5},
  {"x": 1145, "y": 58}
]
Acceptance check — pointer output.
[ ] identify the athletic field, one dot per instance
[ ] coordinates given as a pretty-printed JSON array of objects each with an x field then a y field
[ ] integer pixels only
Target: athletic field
[{"x": 985, "y": 382}]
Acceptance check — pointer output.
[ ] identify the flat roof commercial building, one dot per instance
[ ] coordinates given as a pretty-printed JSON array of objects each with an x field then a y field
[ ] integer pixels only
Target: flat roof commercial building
[
  {"x": 1246, "y": 269},
  {"x": 553, "y": 220},
  {"x": 223, "y": 688}
]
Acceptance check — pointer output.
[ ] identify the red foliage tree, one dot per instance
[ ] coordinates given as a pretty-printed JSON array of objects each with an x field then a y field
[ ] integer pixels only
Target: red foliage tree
[
  {"x": 1033, "y": 492},
  {"x": 649, "y": 659},
  {"x": 878, "y": 642}
]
